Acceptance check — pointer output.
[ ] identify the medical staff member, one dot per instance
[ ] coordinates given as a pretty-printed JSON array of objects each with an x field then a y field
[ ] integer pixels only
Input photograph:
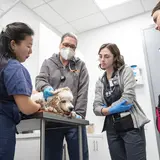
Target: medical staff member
[
  {"x": 65, "y": 70},
  {"x": 156, "y": 16},
  {"x": 15, "y": 84},
  {"x": 116, "y": 100}
]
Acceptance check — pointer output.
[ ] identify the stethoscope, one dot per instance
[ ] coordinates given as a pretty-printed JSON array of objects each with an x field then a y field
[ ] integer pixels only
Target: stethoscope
[{"x": 73, "y": 69}]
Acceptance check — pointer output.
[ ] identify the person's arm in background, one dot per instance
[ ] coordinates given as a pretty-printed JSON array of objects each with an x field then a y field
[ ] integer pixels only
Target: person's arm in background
[
  {"x": 42, "y": 80},
  {"x": 82, "y": 96}
]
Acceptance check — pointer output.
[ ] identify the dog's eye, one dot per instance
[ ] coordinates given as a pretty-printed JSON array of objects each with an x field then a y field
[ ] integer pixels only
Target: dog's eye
[{"x": 63, "y": 101}]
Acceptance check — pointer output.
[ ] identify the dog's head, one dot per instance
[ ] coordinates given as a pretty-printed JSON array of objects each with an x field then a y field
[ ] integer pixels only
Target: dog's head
[{"x": 62, "y": 100}]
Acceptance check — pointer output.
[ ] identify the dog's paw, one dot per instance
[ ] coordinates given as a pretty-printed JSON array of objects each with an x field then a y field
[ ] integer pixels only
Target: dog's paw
[
  {"x": 54, "y": 110},
  {"x": 73, "y": 114},
  {"x": 42, "y": 103}
]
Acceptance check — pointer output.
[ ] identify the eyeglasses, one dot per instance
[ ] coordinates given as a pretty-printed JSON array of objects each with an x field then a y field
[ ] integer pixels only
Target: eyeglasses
[{"x": 69, "y": 45}]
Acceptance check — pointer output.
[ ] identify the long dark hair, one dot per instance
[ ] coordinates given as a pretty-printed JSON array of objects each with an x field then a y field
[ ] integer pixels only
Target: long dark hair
[
  {"x": 16, "y": 31},
  {"x": 118, "y": 60}
]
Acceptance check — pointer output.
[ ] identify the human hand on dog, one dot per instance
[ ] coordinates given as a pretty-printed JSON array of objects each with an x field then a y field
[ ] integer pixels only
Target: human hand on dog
[{"x": 48, "y": 92}]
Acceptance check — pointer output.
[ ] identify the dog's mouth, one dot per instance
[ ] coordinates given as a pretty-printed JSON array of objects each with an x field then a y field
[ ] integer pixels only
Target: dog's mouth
[{"x": 67, "y": 113}]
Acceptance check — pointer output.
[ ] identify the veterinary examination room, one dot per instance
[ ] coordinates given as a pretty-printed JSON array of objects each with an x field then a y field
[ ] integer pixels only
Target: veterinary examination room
[{"x": 79, "y": 80}]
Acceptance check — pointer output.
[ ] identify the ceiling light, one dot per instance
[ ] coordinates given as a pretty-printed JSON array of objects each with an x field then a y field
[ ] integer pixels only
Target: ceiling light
[{"x": 103, "y": 4}]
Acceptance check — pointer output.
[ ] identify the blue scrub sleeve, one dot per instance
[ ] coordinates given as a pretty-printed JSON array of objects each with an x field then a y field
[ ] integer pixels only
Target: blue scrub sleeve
[{"x": 17, "y": 80}]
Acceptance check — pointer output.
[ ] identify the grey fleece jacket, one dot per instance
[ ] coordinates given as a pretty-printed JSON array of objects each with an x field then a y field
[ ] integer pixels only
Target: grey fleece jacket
[
  {"x": 51, "y": 72},
  {"x": 127, "y": 85}
]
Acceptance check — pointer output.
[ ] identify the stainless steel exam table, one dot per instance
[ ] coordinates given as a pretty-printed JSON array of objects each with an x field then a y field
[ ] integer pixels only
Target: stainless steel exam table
[{"x": 38, "y": 122}]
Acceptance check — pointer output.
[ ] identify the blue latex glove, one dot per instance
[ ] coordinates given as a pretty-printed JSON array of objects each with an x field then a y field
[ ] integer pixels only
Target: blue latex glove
[
  {"x": 78, "y": 116},
  {"x": 121, "y": 107},
  {"x": 47, "y": 92}
]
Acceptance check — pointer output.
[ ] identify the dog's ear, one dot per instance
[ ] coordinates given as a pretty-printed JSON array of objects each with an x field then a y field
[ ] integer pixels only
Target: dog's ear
[
  {"x": 57, "y": 91},
  {"x": 54, "y": 104},
  {"x": 54, "y": 101},
  {"x": 60, "y": 90},
  {"x": 67, "y": 89}
]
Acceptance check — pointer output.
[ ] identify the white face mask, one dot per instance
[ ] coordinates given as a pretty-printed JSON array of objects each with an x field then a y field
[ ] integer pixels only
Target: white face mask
[{"x": 67, "y": 53}]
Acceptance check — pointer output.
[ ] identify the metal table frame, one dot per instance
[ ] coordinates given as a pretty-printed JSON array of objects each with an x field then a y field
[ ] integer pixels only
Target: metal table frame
[{"x": 38, "y": 122}]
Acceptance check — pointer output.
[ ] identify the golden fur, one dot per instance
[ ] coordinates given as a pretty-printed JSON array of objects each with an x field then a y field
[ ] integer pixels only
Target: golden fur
[{"x": 60, "y": 103}]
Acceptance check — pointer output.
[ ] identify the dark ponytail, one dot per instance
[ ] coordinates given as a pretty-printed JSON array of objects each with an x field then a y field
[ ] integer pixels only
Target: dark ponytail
[{"x": 16, "y": 31}]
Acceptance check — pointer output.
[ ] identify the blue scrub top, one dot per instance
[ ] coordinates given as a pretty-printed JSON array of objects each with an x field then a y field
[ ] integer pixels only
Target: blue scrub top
[{"x": 14, "y": 80}]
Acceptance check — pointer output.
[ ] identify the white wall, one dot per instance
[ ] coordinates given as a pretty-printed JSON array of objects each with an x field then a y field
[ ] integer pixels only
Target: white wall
[
  {"x": 46, "y": 40},
  {"x": 48, "y": 43},
  {"x": 21, "y": 13},
  {"x": 127, "y": 35}
]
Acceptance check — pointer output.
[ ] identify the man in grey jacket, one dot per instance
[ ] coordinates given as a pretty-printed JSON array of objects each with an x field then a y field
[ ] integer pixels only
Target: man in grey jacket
[{"x": 65, "y": 70}]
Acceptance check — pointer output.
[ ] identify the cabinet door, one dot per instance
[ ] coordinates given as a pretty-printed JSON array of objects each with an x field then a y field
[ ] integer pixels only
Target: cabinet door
[
  {"x": 27, "y": 149},
  {"x": 92, "y": 149},
  {"x": 98, "y": 149}
]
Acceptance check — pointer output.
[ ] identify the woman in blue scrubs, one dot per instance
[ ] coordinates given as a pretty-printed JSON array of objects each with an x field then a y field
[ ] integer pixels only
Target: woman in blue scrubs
[{"x": 15, "y": 84}]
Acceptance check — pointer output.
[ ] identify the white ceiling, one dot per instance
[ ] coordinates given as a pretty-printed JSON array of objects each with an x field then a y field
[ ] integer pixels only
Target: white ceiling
[{"x": 80, "y": 15}]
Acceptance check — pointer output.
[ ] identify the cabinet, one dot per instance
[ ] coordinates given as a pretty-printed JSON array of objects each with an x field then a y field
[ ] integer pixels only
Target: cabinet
[
  {"x": 98, "y": 148},
  {"x": 27, "y": 147}
]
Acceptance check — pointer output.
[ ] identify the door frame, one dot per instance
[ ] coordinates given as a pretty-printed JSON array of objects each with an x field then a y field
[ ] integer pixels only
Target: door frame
[{"x": 150, "y": 84}]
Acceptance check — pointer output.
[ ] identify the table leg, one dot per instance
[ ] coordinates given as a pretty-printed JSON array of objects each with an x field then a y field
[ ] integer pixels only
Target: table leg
[
  {"x": 80, "y": 142},
  {"x": 42, "y": 140}
]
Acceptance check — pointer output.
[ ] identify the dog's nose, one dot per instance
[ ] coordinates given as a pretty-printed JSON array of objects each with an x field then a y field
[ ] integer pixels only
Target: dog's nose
[{"x": 70, "y": 108}]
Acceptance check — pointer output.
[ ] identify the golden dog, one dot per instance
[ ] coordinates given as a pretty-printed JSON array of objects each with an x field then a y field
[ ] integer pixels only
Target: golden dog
[{"x": 60, "y": 103}]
